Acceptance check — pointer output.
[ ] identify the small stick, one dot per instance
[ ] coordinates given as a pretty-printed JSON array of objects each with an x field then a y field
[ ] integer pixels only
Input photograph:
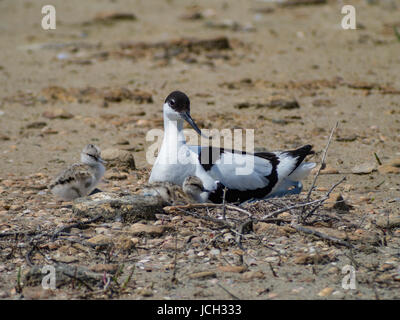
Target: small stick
[
  {"x": 223, "y": 204},
  {"x": 321, "y": 235},
  {"x": 323, "y": 199},
  {"x": 323, "y": 161},
  {"x": 276, "y": 212},
  {"x": 74, "y": 225},
  {"x": 206, "y": 205},
  {"x": 231, "y": 294},
  {"x": 377, "y": 159},
  {"x": 173, "y": 279},
  {"x": 272, "y": 270},
  {"x": 221, "y": 222}
]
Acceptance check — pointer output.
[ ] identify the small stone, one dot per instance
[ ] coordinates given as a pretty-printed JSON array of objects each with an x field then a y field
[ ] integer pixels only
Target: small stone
[
  {"x": 67, "y": 259},
  {"x": 37, "y": 293},
  {"x": 336, "y": 201},
  {"x": 47, "y": 130},
  {"x": 145, "y": 229},
  {"x": 251, "y": 275},
  {"x": 388, "y": 169},
  {"x": 268, "y": 229},
  {"x": 364, "y": 168},
  {"x": 118, "y": 158},
  {"x": 122, "y": 142},
  {"x": 271, "y": 259},
  {"x": 113, "y": 206},
  {"x": 100, "y": 239},
  {"x": 115, "y": 175},
  {"x": 328, "y": 170},
  {"x": 347, "y": 138},
  {"x": 125, "y": 243},
  {"x": 386, "y": 277},
  {"x": 394, "y": 163},
  {"x": 215, "y": 252},
  {"x": 325, "y": 292},
  {"x": 171, "y": 244},
  {"x": 233, "y": 269},
  {"x": 110, "y": 268},
  {"x": 314, "y": 258},
  {"x": 3, "y": 137},
  {"x": 101, "y": 230},
  {"x": 145, "y": 292},
  {"x": 57, "y": 113},
  {"x": 322, "y": 103},
  {"x": 36, "y": 125},
  {"x": 334, "y": 270},
  {"x": 338, "y": 295},
  {"x": 388, "y": 222},
  {"x": 104, "y": 16},
  {"x": 203, "y": 275}
]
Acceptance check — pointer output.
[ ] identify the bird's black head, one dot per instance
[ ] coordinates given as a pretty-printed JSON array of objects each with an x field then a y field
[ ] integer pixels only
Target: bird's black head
[{"x": 178, "y": 101}]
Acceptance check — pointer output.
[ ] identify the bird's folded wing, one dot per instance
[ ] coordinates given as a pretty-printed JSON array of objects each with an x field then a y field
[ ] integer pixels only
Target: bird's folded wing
[
  {"x": 242, "y": 171},
  {"x": 75, "y": 173}
]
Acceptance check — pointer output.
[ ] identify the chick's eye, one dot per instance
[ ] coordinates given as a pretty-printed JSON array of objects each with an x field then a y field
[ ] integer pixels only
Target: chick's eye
[{"x": 172, "y": 102}]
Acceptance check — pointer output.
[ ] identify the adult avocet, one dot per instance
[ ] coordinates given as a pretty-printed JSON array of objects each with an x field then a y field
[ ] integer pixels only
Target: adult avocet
[{"x": 270, "y": 172}]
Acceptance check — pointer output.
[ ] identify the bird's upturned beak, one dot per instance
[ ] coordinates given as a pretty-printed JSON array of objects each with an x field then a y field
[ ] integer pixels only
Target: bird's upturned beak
[{"x": 186, "y": 116}]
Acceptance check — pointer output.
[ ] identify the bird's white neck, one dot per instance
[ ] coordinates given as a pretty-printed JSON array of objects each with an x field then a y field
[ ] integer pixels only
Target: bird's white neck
[{"x": 172, "y": 141}]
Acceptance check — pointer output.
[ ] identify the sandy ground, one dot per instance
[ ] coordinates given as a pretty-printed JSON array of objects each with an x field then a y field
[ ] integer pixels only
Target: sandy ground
[{"x": 297, "y": 53}]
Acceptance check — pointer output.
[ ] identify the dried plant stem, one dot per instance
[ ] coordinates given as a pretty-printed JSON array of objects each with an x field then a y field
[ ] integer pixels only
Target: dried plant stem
[
  {"x": 206, "y": 205},
  {"x": 322, "y": 161}
]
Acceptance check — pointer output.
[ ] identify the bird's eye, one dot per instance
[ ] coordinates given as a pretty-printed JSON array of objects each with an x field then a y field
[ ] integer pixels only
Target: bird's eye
[{"x": 172, "y": 102}]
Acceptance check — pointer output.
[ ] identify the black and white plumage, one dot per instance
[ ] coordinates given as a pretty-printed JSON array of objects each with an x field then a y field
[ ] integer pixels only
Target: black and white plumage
[
  {"x": 245, "y": 175},
  {"x": 79, "y": 179}
]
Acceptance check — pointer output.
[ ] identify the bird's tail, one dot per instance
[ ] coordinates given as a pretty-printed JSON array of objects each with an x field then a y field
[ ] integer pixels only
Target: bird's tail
[{"x": 302, "y": 171}]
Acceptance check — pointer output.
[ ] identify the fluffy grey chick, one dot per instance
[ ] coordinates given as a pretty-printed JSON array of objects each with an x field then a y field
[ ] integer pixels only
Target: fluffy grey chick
[{"x": 79, "y": 179}]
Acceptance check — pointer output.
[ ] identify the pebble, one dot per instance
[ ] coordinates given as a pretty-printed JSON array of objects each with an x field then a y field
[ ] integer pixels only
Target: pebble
[
  {"x": 336, "y": 201},
  {"x": 250, "y": 275},
  {"x": 145, "y": 229},
  {"x": 57, "y": 113},
  {"x": 328, "y": 170},
  {"x": 36, "y": 125},
  {"x": 364, "y": 168},
  {"x": 269, "y": 229},
  {"x": 100, "y": 239},
  {"x": 388, "y": 222},
  {"x": 325, "y": 292},
  {"x": 203, "y": 275},
  {"x": 111, "y": 268},
  {"x": 67, "y": 259},
  {"x": 271, "y": 259},
  {"x": 338, "y": 294},
  {"x": 215, "y": 252},
  {"x": 145, "y": 292},
  {"x": 118, "y": 158},
  {"x": 101, "y": 230},
  {"x": 388, "y": 169},
  {"x": 233, "y": 269},
  {"x": 3, "y": 137}
]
